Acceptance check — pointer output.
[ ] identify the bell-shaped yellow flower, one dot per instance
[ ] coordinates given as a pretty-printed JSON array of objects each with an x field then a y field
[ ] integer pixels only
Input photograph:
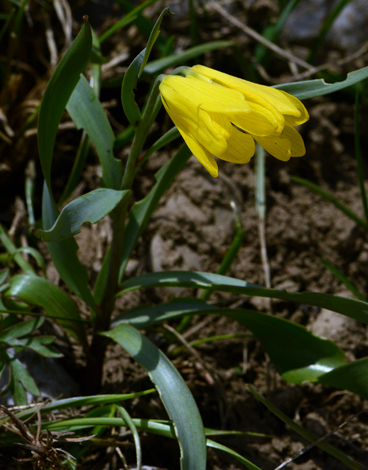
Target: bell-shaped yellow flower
[{"x": 220, "y": 115}]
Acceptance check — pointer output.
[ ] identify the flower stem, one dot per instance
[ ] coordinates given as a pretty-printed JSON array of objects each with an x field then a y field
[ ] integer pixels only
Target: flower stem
[{"x": 119, "y": 215}]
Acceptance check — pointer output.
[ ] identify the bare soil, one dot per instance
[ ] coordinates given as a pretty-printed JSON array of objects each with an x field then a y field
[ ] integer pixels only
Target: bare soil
[{"x": 192, "y": 229}]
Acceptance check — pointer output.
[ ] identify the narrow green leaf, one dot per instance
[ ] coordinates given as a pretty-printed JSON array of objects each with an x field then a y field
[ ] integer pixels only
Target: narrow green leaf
[
  {"x": 131, "y": 109},
  {"x": 39, "y": 345},
  {"x": 336, "y": 272},
  {"x": 312, "y": 88},
  {"x": 331, "y": 198},
  {"x": 12, "y": 250},
  {"x": 306, "y": 434},
  {"x": 21, "y": 329},
  {"x": 352, "y": 377},
  {"x": 132, "y": 427},
  {"x": 39, "y": 291},
  {"x": 142, "y": 210},
  {"x": 87, "y": 113},
  {"x": 21, "y": 381},
  {"x": 57, "y": 94},
  {"x": 91, "y": 207},
  {"x": 358, "y": 155},
  {"x": 349, "y": 307},
  {"x": 240, "y": 458},
  {"x": 134, "y": 14},
  {"x": 326, "y": 27},
  {"x": 3, "y": 275},
  {"x": 64, "y": 254},
  {"x": 180, "y": 405},
  {"x": 297, "y": 354},
  {"x": 152, "y": 39},
  {"x": 175, "y": 59}
]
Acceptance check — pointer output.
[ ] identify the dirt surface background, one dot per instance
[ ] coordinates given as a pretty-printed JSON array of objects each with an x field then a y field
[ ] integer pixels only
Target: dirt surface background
[{"x": 192, "y": 229}]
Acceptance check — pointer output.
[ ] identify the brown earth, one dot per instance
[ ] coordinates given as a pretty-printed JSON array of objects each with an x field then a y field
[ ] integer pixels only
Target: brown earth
[{"x": 192, "y": 229}]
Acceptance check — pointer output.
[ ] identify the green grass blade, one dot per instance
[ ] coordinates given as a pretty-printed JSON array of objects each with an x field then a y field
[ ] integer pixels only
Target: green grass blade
[
  {"x": 133, "y": 15},
  {"x": 91, "y": 207},
  {"x": 87, "y": 113},
  {"x": 313, "y": 88},
  {"x": 137, "y": 442},
  {"x": 358, "y": 154},
  {"x": 298, "y": 355},
  {"x": 14, "y": 253},
  {"x": 329, "y": 197},
  {"x": 306, "y": 434},
  {"x": 325, "y": 28},
  {"x": 240, "y": 458},
  {"x": 199, "y": 280},
  {"x": 57, "y": 94},
  {"x": 39, "y": 291},
  {"x": 173, "y": 391},
  {"x": 131, "y": 109},
  {"x": 142, "y": 210},
  {"x": 336, "y": 272},
  {"x": 161, "y": 64}
]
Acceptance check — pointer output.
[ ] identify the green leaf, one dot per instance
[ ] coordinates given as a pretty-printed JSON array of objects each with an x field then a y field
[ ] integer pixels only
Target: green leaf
[
  {"x": 173, "y": 391},
  {"x": 175, "y": 59},
  {"x": 306, "y": 434},
  {"x": 152, "y": 39},
  {"x": 39, "y": 291},
  {"x": 64, "y": 254},
  {"x": 312, "y": 88},
  {"x": 141, "y": 212},
  {"x": 297, "y": 354},
  {"x": 21, "y": 329},
  {"x": 4, "y": 273},
  {"x": 349, "y": 307},
  {"x": 90, "y": 207},
  {"x": 240, "y": 458},
  {"x": 12, "y": 250},
  {"x": 340, "y": 276},
  {"x": 331, "y": 198},
  {"x": 57, "y": 94},
  {"x": 352, "y": 377},
  {"x": 21, "y": 381},
  {"x": 131, "y": 109},
  {"x": 39, "y": 345},
  {"x": 87, "y": 113}
]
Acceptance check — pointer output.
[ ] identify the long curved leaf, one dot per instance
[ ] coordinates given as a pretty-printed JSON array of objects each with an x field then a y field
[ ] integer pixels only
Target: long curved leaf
[
  {"x": 353, "y": 377},
  {"x": 39, "y": 291},
  {"x": 297, "y": 354},
  {"x": 87, "y": 113},
  {"x": 198, "y": 280},
  {"x": 312, "y": 88},
  {"x": 174, "y": 59},
  {"x": 90, "y": 207},
  {"x": 307, "y": 434},
  {"x": 173, "y": 391},
  {"x": 57, "y": 94},
  {"x": 64, "y": 253}
]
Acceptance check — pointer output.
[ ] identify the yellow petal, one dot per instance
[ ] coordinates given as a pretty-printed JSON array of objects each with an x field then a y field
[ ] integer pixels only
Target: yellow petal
[
  {"x": 193, "y": 121},
  {"x": 202, "y": 155},
  {"x": 288, "y": 144},
  {"x": 188, "y": 93},
  {"x": 271, "y": 98},
  {"x": 240, "y": 148},
  {"x": 296, "y": 141}
]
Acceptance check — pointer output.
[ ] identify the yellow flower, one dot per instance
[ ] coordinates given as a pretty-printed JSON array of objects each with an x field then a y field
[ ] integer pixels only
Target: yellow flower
[{"x": 220, "y": 115}]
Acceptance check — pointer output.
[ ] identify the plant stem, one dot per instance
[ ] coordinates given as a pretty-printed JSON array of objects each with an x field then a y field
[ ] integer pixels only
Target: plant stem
[{"x": 103, "y": 318}]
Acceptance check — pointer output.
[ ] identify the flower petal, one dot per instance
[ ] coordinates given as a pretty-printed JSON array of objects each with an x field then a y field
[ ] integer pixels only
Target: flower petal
[
  {"x": 277, "y": 101},
  {"x": 202, "y": 155},
  {"x": 288, "y": 144},
  {"x": 240, "y": 148}
]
